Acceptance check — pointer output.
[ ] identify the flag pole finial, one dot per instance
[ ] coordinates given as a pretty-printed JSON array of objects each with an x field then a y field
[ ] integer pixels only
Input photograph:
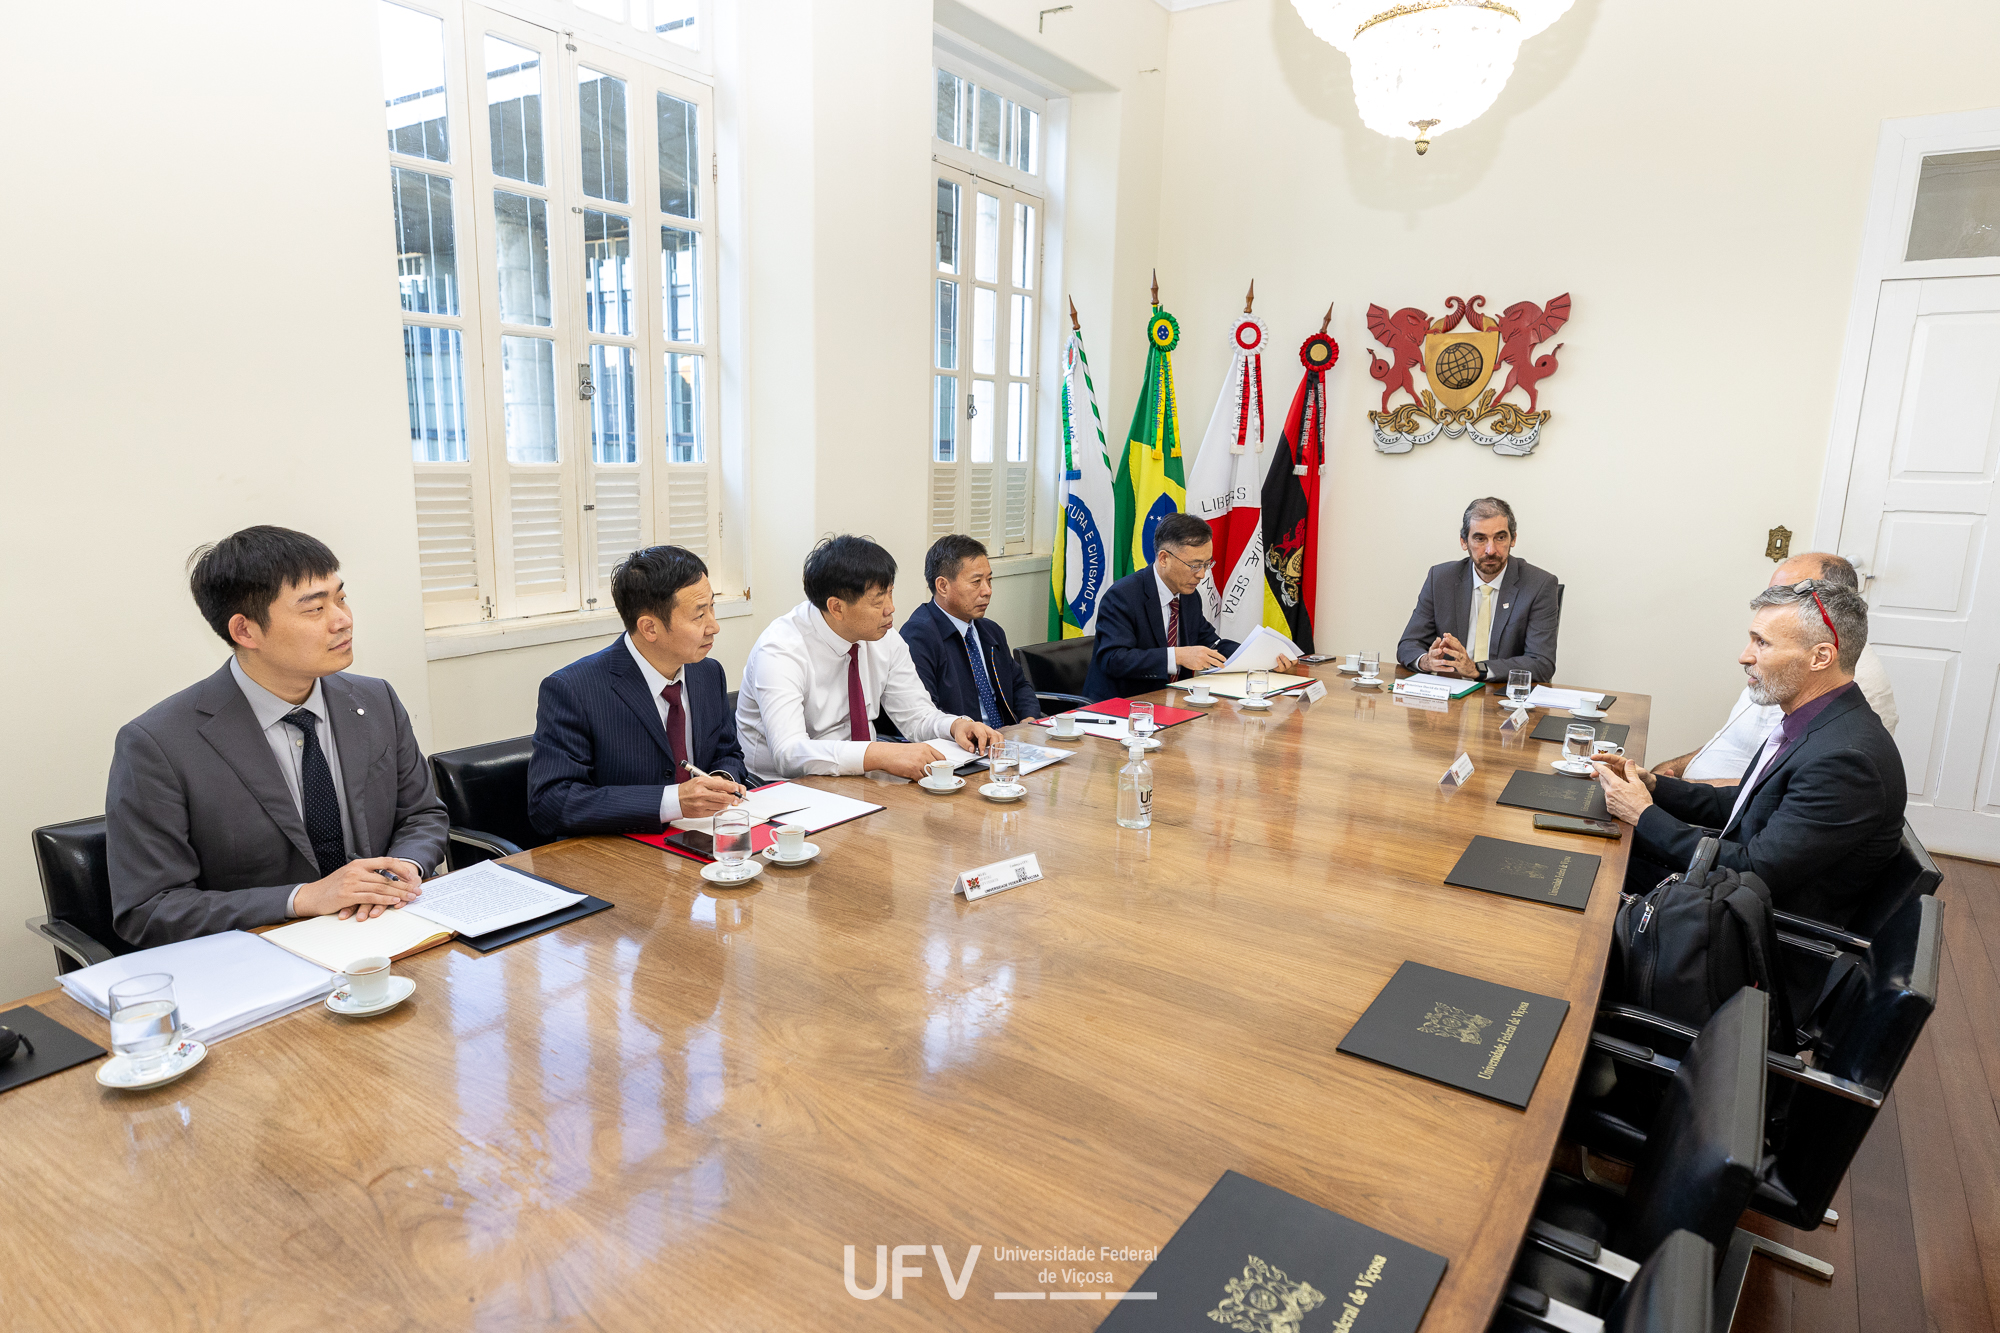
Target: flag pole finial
[
  {"x": 1250, "y": 297},
  {"x": 1156, "y": 288},
  {"x": 1329, "y": 317},
  {"x": 1074, "y": 327}
]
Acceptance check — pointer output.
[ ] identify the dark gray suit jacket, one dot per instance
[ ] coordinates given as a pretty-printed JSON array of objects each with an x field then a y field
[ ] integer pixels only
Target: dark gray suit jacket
[
  {"x": 202, "y": 833},
  {"x": 1525, "y": 621}
]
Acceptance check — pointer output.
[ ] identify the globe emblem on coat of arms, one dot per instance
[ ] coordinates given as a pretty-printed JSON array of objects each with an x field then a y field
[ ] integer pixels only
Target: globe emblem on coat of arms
[{"x": 1459, "y": 365}]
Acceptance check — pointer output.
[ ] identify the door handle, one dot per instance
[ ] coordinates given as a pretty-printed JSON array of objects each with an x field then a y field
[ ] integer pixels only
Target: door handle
[{"x": 584, "y": 388}]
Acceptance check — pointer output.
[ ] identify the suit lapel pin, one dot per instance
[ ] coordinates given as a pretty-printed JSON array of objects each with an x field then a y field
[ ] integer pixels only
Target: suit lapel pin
[
  {"x": 1505, "y": 605},
  {"x": 360, "y": 712}
]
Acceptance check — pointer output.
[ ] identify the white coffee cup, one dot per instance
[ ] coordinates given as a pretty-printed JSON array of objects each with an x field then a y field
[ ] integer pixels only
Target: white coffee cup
[
  {"x": 366, "y": 980},
  {"x": 1063, "y": 724},
  {"x": 937, "y": 770},
  {"x": 1604, "y": 748},
  {"x": 792, "y": 840},
  {"x": 1352, "y": 661},
  {"x": 1198, "y": 692}
]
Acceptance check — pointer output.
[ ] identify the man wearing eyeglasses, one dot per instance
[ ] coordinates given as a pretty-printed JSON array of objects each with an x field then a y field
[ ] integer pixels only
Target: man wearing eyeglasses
[
  {"x": 1150, "y": 626},
  {"x": 1722, "y": 760},
  {"x": 1819, "y": 813}
]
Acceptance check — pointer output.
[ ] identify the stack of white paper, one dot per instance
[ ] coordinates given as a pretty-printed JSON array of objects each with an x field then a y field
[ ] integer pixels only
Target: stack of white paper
[
  {"x": 1032, "y": 756},
  {"x": 225, "y": 984},
  {"x": 1548, "y": 696},
  {"x": 487, "y": 897},
  {"x": 1260, "y": 652},
  {"x": 765, "y": 806},
  {"x": 813, "y": 809}
]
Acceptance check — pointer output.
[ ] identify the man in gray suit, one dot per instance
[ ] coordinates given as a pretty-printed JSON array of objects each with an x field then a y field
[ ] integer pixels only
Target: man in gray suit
[
  {"x": 1488, "y": 614},
  {"x": 280, "y": 786}
]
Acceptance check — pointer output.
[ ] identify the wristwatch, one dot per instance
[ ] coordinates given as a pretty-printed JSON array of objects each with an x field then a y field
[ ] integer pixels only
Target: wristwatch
[{"x": 1480, "y": 667}]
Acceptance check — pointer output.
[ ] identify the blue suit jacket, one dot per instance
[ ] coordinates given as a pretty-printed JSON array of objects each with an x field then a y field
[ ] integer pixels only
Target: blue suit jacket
[
  {"x": 946, "y": 671},
  {"x": 601, "y": 759},
  {"x": 1132, "y": 632}
]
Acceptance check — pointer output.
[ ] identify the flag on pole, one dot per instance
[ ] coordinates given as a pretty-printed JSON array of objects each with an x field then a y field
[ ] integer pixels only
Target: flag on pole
[
  {"x": 1082, "y": 563},
  {"x": 1226, "y": 485},
  {"x": 1150, "y": 484},
  {"x": 1291, "y": 496}
]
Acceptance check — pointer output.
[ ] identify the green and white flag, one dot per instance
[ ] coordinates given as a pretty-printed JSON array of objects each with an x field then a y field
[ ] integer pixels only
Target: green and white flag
[{"x": 1081, "y": 569}]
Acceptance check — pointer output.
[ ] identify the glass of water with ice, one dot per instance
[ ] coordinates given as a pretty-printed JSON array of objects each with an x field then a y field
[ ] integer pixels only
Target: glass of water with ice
[
  {"x": 732, "y": 842},
  {"x": 145, "y": 1021}
]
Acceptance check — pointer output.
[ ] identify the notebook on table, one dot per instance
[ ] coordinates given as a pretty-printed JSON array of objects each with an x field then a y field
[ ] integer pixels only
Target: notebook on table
[
  {"x": 56, "y": 1047},
  {"x": 1470, "y": 1033},
  {"x": 1552, "y": 728},
  {"x": 1252, "y": 1257},
  {"x": 1522, "y": 870},
  {"x": 1555, "y": 794},
  {"x": 224, "y": 983}
]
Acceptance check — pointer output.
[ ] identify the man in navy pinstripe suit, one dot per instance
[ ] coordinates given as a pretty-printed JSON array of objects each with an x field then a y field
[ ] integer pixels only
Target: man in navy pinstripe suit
[{"x": 619, "y": 734}]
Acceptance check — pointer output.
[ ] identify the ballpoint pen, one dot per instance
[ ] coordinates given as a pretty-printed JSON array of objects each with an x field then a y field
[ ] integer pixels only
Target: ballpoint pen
[{"x": 700, "y": 774}]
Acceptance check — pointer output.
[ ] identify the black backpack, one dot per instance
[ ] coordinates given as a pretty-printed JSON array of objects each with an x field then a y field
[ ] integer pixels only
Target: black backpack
[{"x": 1694, "y": 941}]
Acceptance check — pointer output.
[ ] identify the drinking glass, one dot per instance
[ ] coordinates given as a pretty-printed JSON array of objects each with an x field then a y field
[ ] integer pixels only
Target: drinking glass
[
  {"x": 1142, "y": 721},
  {"x": 1577, "y": 741},
  {"x": 1003, "y": 760},
  {"x": 732, "y": 842},
  {"x": 1519, "y": 684},
  {"x": 145, "y": 1020},
  {"x": 1371, "y": 666},
  {"x": 1257, "y": 683}
]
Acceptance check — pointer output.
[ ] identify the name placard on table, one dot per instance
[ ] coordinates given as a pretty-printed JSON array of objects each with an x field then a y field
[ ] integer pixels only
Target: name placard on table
[{"x": 987, "y": 880}]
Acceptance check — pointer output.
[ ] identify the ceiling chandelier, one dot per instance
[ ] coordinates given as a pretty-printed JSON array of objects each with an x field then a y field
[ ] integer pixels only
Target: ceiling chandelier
[{"x": 1425, "y": 67}]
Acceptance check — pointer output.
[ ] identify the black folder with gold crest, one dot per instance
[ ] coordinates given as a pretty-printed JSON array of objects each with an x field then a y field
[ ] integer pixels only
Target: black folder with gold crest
[
  {"x": 1255, "y": 1259},
  {"x": 1473, "y": 1034},
  {"x": 1522, "y": 870},
  {"x": 1556, "y": 794}
]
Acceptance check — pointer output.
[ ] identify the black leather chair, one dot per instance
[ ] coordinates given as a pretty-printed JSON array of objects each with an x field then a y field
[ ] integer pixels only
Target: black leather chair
[
  {"x": 76, "y": 890},
  {"x": 1702, "y": 1158},
  {"x": 1865, "y": 1028},
  {"x": 485, "y": 794},
  {"x": 1057, "y": 669},
  {"x": 1673, "y": 1292}
]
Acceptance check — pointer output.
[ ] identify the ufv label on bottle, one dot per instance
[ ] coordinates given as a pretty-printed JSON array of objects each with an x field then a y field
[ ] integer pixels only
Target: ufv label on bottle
[{"x": 998, "y": 877}]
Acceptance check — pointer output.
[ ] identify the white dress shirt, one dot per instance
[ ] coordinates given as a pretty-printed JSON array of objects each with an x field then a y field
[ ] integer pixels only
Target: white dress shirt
[
  {"x": 670, "y": 799},
  {"x": 1166, "y": 621},
  {"x": 288, "y": 747},
  {"x": 1481, "y": 651},
  {"x": 1729, "y": 751},
  {"x": 791, "y": 712}
]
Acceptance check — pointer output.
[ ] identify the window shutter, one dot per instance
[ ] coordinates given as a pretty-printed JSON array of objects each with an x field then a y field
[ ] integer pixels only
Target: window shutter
[
  {"x": 944, "y": 499},
  {"x": 447, "y": 546},
  {"x": 618, "y": 522},
  {"x": 688, "y": 509},
  {"x": 979, "y": 523},
  {"x": 1017, "y": 506},
  {"x": 538, "y": 573}
]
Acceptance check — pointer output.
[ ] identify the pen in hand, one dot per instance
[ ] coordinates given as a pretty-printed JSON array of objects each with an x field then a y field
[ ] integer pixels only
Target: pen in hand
[{"x": 701, "y": 774}]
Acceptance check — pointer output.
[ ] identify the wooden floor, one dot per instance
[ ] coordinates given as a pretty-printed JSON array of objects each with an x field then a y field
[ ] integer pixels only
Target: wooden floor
[{"x": 1918, "y": 1245}]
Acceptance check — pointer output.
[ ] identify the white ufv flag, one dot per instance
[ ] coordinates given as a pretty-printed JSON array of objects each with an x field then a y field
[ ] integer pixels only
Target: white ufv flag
[
  {"x": 1226, "y": 483},
  {"x": 1081, "y": 570}
]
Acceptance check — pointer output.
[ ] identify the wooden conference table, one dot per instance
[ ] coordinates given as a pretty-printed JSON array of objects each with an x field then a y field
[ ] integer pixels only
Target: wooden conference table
[{"x": 677, "y": 1113}]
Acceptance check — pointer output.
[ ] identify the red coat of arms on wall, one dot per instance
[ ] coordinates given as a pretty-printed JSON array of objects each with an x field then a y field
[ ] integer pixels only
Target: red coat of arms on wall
[{"x": 1459, "y": 355}]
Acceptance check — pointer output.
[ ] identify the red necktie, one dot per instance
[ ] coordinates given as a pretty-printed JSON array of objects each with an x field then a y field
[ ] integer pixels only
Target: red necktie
[
  {"x": 1174, "y": 628},
  {"x": 676, "y": 732},
  {"x": 857, "y": 702}
]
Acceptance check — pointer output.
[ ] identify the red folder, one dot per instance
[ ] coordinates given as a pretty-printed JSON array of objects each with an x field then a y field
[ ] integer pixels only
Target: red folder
[
  {"x": 668, "y": 840},
  {"x": 1164, "y": 715}
]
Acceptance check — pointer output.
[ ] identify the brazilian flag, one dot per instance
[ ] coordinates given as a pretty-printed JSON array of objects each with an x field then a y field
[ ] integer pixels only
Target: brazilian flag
[{"x": 1150, "y": 483}]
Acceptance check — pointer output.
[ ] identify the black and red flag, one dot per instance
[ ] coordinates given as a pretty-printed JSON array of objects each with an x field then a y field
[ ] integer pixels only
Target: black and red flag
[{"x": 1291, "y": 496}]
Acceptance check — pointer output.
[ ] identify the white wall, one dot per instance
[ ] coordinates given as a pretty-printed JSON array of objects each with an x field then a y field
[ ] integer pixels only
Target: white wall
[
  {"x": 1695, "y": 177},
  {"x": 201, "y": 334}
]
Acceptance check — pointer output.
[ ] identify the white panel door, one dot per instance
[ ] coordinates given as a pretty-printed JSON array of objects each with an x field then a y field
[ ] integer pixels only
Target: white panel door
[{"x": 1919, "y": 523}]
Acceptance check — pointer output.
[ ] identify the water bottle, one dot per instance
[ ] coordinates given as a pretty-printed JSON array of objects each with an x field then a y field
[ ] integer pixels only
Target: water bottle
[{"x": 1135, "y": 791}]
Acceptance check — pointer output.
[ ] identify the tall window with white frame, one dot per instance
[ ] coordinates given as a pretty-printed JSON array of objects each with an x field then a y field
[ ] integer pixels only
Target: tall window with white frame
[
  {"x": 987, "y": 273},
  {"x": 557, "y": 363}
]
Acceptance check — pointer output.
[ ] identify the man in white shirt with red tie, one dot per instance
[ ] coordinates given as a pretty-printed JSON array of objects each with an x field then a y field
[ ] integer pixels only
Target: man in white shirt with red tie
[{"x": 819, "y": 674}]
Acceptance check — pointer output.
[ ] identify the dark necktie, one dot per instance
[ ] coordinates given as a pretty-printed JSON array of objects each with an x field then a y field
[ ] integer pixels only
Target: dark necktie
[
  {"x": 676, "y": 732},
  {"x": 1174, "y": 628},
  {"x": 989, "y": 708},
  {"x": 320, "y": 802},
  {"x": 857, "y": 702}
]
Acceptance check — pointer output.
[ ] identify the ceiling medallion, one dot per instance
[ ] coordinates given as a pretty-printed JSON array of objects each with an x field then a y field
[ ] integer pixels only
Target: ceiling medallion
[{"x": 1427, "y": 67}]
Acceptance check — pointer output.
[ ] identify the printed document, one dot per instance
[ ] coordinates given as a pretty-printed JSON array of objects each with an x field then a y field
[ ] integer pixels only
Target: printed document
[
  {"x": 487, "y": 897},
  {"x": 1260, "y": 652}
]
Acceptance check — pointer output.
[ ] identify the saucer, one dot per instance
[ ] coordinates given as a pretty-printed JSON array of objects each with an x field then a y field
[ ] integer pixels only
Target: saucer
[
  {"x": 400, "y": 989},
  {"x": 953, "y": 783},
  {"x": 117, "y": 1071},
  {"x": 1187, "y": 697},
  {"x": 806, "y": 853},
  {"x": 712, "y": 872},
  {"x": 1588, "y": 714},
  {"x": 993, "y": 791},
  {"x": 1363, "y": 683},
  {"x": 1265, "y": 702},
  {"x": 1055, "y": 735},
  {"x": 1576, "y": 768},
  {"x": 1348, "y": 670},
  {"x": 1150, "y": 743}
]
